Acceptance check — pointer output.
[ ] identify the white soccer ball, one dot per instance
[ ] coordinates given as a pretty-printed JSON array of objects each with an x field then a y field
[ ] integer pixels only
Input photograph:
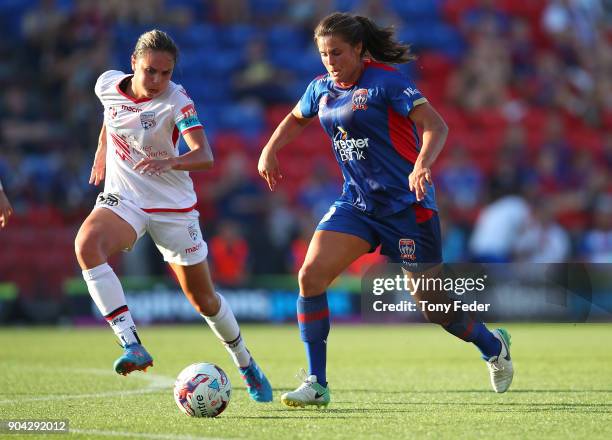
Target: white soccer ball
[{"x": 202, "y": 390}]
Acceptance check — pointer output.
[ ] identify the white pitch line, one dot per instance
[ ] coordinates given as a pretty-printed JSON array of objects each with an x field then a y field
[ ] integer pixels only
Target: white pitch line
[
  {"x": 156, "y": 383},
  {"x": 141, "y": 435}
]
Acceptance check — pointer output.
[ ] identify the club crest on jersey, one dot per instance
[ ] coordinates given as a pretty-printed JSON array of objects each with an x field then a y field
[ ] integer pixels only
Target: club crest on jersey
[
  {"x": 360, "y": 99},
  {"x": 407, "y": 248},
  {"x": 193, "y": 232},
  {"x": 147, "y": 120}
]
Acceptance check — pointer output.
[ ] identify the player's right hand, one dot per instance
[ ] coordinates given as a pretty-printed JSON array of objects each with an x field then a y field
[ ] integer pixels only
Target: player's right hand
[
  {"x": 98, "y": 171},
  {"x": 268, "y": 168}
]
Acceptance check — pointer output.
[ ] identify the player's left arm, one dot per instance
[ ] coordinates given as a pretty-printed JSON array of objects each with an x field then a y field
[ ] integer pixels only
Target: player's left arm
[
  {"x": 199, "y": 157},
  {"x": 435, "y": 132}
]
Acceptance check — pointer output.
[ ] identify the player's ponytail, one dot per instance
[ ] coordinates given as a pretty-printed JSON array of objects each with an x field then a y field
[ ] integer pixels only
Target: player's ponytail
[
  {"x": 378, "y": 43},
  {"x": 381, "y": 45},
  {"x": 156, "y": 40}
]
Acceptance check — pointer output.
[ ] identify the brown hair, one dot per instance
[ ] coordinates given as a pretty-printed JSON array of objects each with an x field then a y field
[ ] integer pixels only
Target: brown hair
[
  {"x": 378, "y": 42},
  {"x": 156, "y": 40}
]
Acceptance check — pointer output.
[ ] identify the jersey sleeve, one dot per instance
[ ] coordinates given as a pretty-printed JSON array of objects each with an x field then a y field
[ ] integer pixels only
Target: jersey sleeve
[
  {"x": 105, "y": 81},
  {"x": 402, "y": 94},
  {"x": 309, "y": 103},
  {"x": 185, "y": 115}
]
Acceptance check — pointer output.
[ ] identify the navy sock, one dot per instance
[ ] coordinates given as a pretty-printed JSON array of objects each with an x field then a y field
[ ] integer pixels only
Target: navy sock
[
  {"x": 470, "y": 330},
  {"x": 313, "y": 320}
]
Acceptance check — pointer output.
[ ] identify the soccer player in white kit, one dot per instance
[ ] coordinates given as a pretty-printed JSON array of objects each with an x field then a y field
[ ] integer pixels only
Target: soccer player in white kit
[{"x": 148, "y": 189}]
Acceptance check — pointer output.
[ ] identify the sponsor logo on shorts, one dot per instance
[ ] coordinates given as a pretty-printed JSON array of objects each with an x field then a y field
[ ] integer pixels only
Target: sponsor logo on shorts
[
  {"x": 360, "y": 99},
  {"x": 407, "y": 248},
  {"x": 194, "y": 249},
  {"x": 107, "y": 199},
  {"x": 147, "y": 120}
]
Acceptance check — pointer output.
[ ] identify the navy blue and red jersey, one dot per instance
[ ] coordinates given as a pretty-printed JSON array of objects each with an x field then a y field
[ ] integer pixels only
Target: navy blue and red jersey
[{"x": 373, "y": 139}]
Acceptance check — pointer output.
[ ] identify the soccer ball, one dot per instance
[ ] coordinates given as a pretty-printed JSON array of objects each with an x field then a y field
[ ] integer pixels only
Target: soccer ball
[{"x": 202, "y": 390}]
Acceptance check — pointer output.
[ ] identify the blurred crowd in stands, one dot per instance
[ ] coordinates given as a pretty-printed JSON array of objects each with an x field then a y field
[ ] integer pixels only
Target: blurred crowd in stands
[{"x": 525, "y": 87}]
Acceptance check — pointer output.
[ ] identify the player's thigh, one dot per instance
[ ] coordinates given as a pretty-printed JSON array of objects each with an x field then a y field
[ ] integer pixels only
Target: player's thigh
[
  {"x": 178, "y": 237},
  {"x": 103, "y": 233},
  {"x": 412, "y": 238},
  {"x": 329, "y": 254}
]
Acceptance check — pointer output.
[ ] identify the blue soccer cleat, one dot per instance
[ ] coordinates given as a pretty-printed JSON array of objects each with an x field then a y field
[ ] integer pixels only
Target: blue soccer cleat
[
  {"x": 135, "y": 357},
  {"x": 257, "y": 384}
]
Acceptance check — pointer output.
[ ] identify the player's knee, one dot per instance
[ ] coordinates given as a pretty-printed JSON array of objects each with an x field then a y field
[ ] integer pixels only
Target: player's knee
[
  {"x": 88, "y": 249},
  {"x": 207, "y": 305},
  {"x": 312, "y": 281}
]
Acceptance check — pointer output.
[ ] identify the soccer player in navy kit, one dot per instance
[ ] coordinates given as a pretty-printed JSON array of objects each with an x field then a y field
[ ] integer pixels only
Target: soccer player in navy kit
[{"x": 371, "y": 112}]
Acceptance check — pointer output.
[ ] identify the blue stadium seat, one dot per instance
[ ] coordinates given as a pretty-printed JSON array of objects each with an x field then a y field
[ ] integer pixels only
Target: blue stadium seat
[
  {"x": 197, "y": 36},
  {"x": 283, "y": 36},
  {"x": 414, "y": 11},
  {"x": 237, "y": 36},
  {"x": 247, "y": 120}
]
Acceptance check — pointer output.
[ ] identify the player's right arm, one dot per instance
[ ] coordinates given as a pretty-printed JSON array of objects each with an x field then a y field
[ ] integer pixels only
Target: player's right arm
[
  {"x": 290, "y": 128},
  {"x": 98, "y": 169}
]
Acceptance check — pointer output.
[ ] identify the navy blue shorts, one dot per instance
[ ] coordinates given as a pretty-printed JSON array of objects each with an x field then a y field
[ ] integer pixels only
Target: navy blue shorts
[{"x": 409, "y": 236}]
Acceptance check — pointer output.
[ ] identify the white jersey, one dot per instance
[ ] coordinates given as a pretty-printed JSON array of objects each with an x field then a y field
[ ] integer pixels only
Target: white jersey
[{"x": 140, "y": 128}]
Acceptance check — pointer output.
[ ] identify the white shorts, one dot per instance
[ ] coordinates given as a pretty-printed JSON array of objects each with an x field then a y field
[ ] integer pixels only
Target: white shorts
[{"x": 177, "y": 235}]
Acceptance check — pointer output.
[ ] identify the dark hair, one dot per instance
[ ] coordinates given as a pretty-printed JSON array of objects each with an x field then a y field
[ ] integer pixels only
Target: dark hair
[
  {"x": 156, "y": 40},
  {"x": 377, "y": 42}
]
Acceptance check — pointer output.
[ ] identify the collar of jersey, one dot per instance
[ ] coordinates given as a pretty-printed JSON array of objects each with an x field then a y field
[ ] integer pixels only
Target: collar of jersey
[
  {"x": 125, "y": 95},
  {"x": 366, "y": 63}
]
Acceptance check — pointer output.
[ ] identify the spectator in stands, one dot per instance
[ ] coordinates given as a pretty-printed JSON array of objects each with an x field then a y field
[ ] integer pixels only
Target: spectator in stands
[
  {"x": 484, "y": 19},
  {"x": 542, "y": 240},
  {"x": 596, "y": 245},
  {"x": 229, "y": 252},
  {"x": 259, "y": 79},
  {"x": 497, "y": 230},
  {"x": 483, "y": 78},
  {"x": 460, "y": 179}
]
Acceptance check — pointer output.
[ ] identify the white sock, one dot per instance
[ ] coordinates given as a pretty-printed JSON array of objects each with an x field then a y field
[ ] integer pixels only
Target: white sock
[
  {"x": 225, "y": 326},
  {"x": 107, "y": 293}
]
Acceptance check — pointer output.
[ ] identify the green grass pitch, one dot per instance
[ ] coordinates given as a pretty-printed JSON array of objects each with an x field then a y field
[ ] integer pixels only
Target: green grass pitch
[{"x": 413, "y": 381}]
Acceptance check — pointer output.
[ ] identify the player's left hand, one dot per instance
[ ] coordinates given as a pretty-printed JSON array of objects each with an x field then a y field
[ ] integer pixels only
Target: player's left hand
[
  {"x": 418, "y": 180},
  {"x": 153, "y": 166}
]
